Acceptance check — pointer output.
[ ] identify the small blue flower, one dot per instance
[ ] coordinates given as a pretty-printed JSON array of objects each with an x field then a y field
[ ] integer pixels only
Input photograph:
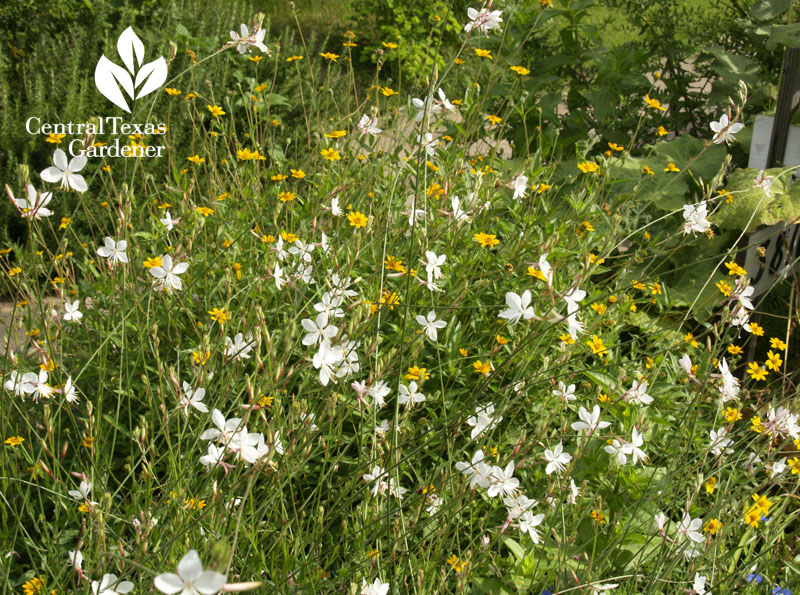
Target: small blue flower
[
  {"x": 781, "y": 591},
  {"x": 758, "y": 578}
]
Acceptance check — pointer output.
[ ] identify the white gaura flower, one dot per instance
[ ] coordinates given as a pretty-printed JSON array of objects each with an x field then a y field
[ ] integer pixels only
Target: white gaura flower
[
  {"x": 556, "y": 459},
  {"x": 69, "y": 392},
  {"x": 318, "y": 330},
  {"x": 433, "y": 265},
  {"x": 83, "y": 493},
  {"x": 444, "y": 102},
  {"x": 699, "y": 585},
  {"x": 326, "y": 359},
  {"x": 458, "y": 214},
  {"x": 409, "y": 395},
  {"x": 64, "y": 172},
  {"x": 301, "y": 249},
  {"x": 245, "y": 41},
  {"x": 690, "y": 528},
  {"x": 764, "y": 182},
  {"x": 111, "y": 585},
  {"x": 484, "y": 20},
  {"x": 483, "y": 420},
  {"x": 14, "y": 383},
  {"x": 720, "y": 443},
  {"x": 502, "y": 481},
  {"x": 429, "y": 143},
  {"x": 376, "y": 588},
  {"x": 191, "y": 579},
  {"x": 516, "y": 505},
  {"x": 75, "y": 559},
  {"x": 193, "y": 398},
  {"x": 694, "y": 218},
  {"x": 167, "y": 274},
  {"x": 114, "y": 251},
  {"x": 637, "y": 454},
  {"x": 477, "y": 471},
  {"x": 637, "y": 393},
  {"x": 528, "y": 523},
  {"x": 72, "y": 312},
  {"x": 213, "y": 457},
  {"x": 36, "y": 385},
  {"x": 239, "y": 347},
  {"x": 618, "y": 451},
  {"x": 168, "y": 222},
  {"x": 724, "y": 129},
  {"x": 368, "y": 125},
  {"x": 280, "y": 280},
  {"x": 430, "y": 325},
  {"x": 518, "y": 307},
  {"x": 378, "y": 477},
  {"x": 520, "y": 186},
  {"x": 421, "y": 105},
  {"x": 589, "y": 421},
  {"x": 225, "y": 428},
  {"x": 336, "y": 210},
  {"x": 564, "y": 392},
  {"x": 330, "y": 305},
  {"x": 379, "y": 391},
  {"x": 573, "y": 298},
  {"x": 34, "y": 204},
  {"x": 742, "y": 294}
]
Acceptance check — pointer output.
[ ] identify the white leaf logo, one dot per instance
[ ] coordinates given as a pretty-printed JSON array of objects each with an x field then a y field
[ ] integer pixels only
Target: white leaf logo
[{"x": 112, "y": 79}]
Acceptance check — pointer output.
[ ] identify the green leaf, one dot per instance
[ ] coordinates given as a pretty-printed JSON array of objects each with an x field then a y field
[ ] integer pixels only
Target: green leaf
[
  {"x": 769, "y": 9},
  {"x": 751, "y": 207},
  {"x": 514, "y": 547},
  {"x": 788, "y": 35}
]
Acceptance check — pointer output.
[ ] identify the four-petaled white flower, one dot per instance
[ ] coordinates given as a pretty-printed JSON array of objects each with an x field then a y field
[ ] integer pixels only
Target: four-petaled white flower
[
  {"x": 699, "y": 585},
  {"x": 36, "y": 385},
  {"x": 520, "y": 186},
  {"x": 564, "y": 392},
  {"x": 502, "y": 481},
  {"x": 477, "y": 471},
  {"x": 690, "y": 528},
  {"x": 430, "y": 325},
  {"x": 376, "y": 588},
  {"x": 483, "y": 420},
  {"x": 114, "y": 251},
  {"x": 379, "y": 478},
  {"x": 83, "y": 493},
  {"x": 72, "y": 312},
  {"x": 318, "y": 330},
  {"x": 34, "y": 204},
  {"x": 528, "y": 523},
  {"x": 64, "y": 172},
  {"x": 239, "y": 347},
  {"x": 433, "y": 265},
  {"x": 168, "y": 222},
  {"x": 518, "y": 307},
  {"x": 589, "y": 421},
  {"x": 191, "y": 579},
  {"x": 111, "y": 585},
  {"x": 556, "y": 459},
  {"x": 245, "y": 41},
  {"x": 69, "y": 391},
  {"x": 637, "y": 393},
  {"x": 429, "y": 143},
  {"x": 484, "y": 20},
  {"x": 724, "y": 129},
  {"x": 193, "y": 398},
  {"x": 368, "y": 125},
  {"x": 326, "y": 359},
  {"x": 409, "y": 395},
  {"x": 694, "y": 217},
  {"x": 167, "y": 274}
]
